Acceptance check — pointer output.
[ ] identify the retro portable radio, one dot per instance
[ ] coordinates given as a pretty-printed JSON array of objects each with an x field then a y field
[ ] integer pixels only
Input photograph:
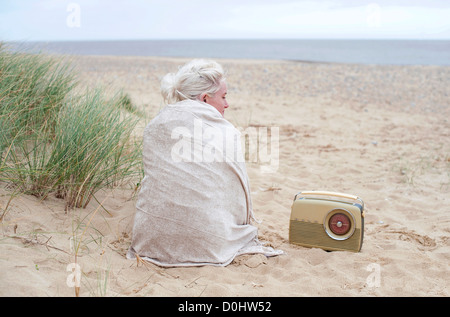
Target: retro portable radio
[{"x": 327, "y": 220}]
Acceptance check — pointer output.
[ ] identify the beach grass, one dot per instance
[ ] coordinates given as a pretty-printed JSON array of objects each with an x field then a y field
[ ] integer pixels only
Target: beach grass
[{"x": 56, "y": 140}]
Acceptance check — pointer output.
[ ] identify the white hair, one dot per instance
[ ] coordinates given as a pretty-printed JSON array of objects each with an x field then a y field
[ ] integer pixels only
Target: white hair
[{"x": 193, "y": 79}]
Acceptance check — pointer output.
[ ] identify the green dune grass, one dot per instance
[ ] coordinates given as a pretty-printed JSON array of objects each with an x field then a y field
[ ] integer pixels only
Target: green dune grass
[{"x": 56, "y": 140}]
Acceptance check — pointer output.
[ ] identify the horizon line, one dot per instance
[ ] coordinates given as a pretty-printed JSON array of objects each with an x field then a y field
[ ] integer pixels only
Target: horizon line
[{"x": 226, "y": 39}]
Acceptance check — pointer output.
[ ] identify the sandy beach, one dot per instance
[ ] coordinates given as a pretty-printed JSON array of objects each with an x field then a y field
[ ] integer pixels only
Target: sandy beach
[{"x": 379, "y": 132}]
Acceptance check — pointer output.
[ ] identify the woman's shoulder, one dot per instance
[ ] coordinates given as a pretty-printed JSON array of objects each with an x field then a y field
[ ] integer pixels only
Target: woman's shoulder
[{"x": 188, "y": 112}]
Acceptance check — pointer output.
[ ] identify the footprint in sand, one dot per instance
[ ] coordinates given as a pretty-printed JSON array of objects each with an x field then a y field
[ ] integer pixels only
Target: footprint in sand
[{"x": 422, "y": 242}]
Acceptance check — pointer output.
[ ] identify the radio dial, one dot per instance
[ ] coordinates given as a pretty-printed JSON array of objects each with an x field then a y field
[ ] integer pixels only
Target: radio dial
[{"x": 339, "y": 223}]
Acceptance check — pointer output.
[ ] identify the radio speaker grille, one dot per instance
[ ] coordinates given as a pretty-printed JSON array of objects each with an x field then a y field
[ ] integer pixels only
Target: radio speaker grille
[{"x": 314, "y": 235}]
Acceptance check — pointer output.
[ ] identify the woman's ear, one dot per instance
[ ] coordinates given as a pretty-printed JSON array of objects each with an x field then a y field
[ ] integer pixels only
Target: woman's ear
[{"x": 203, "y": 97}]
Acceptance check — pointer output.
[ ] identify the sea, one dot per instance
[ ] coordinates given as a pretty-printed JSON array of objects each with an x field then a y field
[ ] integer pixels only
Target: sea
[{"x": 379, "y": 52}]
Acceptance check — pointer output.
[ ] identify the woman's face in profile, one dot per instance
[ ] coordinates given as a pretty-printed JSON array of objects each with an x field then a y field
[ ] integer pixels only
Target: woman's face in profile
[{"x": 219, "y": 100}]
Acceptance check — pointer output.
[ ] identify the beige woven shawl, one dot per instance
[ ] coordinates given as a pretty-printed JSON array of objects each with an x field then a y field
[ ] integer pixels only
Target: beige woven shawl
[{"x": 194, "y": 207}]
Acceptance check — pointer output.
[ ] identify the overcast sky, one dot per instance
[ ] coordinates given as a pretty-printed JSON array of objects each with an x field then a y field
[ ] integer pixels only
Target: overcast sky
[{"x": 49, "y": 20}]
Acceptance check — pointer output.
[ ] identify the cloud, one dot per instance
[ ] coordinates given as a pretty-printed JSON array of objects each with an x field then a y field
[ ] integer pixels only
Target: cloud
[
  {"x": 325, "y": 19},
  {"x": 177, "y": 19}
]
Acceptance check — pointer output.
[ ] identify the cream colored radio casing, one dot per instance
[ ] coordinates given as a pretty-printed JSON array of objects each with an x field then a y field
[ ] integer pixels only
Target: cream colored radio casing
[{"x": 312, "y": 222}]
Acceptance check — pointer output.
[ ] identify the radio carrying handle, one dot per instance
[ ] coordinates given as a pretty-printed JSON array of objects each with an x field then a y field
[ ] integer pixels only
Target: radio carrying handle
[{"x": 327, "y": 193}]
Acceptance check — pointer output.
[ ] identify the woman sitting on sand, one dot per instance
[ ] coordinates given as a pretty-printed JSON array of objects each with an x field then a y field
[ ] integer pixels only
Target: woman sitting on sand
[{"x": 194, "y": 207}]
